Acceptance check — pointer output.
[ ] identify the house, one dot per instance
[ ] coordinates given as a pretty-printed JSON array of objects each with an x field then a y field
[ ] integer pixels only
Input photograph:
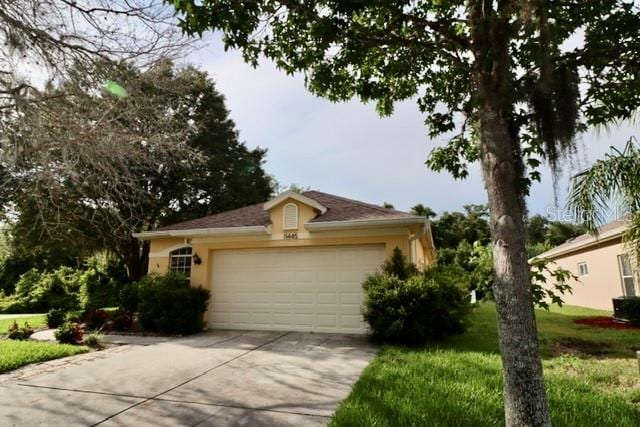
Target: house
[
  {"x": 602, "y": 265},
  {"x": 296, "y": 262}
]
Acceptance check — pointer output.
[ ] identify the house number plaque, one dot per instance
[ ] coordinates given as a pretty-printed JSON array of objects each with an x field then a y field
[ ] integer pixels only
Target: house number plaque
[{"x": 290, "y": 235}]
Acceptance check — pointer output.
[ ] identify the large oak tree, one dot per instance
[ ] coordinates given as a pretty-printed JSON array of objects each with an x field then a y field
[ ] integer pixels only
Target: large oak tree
[
  {"x": 166, "y": 152},
  {"x": 510, "y": 81}
]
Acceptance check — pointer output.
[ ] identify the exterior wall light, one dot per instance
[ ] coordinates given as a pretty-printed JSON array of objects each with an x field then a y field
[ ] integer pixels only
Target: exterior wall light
[{"x": 196, "y": 259}]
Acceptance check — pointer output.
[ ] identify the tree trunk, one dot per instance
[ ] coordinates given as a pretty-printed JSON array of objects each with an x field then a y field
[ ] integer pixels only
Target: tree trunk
[
  {"x": 136, "y": 257},
  {"x": 524, "y": 392}
]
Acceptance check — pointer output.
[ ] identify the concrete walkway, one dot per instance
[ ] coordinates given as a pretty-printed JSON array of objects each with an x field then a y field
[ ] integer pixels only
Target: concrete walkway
[{"x": 221, "y": 378}]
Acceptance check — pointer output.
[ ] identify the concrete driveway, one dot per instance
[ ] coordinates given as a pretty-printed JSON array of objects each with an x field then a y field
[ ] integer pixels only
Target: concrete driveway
[{"x": 221, "y": 378}]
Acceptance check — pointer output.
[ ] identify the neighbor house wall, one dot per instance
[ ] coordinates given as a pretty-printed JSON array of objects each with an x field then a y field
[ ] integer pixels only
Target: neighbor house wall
[{"x": 603, "y": 282}]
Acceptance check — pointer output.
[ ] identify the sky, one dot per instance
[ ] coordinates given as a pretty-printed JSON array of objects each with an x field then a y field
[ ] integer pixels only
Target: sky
[{"x": 348, "y": 150}]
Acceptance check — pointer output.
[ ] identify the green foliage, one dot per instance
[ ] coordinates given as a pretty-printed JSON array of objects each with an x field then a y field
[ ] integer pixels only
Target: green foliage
[
  {"x": 418, "y": 309},
  {"x": 614, "y": 181},
  {"x": 481, "y": 276},
  {"x": 169, "y": 305},
  {"x": 55, "y": 317},
  {"x": 540, "y": 230},
  {"x": 20, "y": 332},
  {"x": 101, "y": 281},
  {"x": 97, "y": 285},
  {"x": 129, "y": 297},
  {"x": 38, "y": 292},
  {"x": 544, "y": 293},
  {"x": 630, "y": 309},
  {"x": 536, "y": 249},
  {"x": 69, "y": 333},
  {"x": 422, "y": 210},
  {"x": 397, "y": 265},
  {"x": 472, "y": 225},
  {"x": 93, "y": 340},
  {"x": 473, "y": 265}
]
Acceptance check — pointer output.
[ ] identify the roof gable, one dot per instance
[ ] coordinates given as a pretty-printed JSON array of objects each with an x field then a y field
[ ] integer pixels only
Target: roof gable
[{"x": 290, "y": 194}]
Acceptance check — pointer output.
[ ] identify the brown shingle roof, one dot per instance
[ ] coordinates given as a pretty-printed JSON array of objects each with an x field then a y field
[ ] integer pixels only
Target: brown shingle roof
[
  {"x": 343, "y": 209},
  {"x": 338, "y": 209}
]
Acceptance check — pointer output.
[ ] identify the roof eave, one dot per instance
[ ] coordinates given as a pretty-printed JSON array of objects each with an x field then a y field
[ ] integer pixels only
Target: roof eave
[
  {"x": 364, "y": 223},
  {"x": 198, "y": 232},
  {"x": 603, "y": 238}
]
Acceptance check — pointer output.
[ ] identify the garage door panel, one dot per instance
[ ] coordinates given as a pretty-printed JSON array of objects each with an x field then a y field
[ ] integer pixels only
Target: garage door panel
[{"x": 304, "y": 289}]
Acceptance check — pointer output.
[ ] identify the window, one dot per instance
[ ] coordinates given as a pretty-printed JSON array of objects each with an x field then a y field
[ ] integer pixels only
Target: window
[
  {"x": 290, "y": 217},
  {"x": 583, "y": 270},
  {"x": 180, "y": 261},
  {"x": 626, "y": 275}
]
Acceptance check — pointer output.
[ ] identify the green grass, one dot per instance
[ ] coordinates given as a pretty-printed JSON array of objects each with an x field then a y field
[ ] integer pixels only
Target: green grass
[
  {"x": 14, "y": 354},
  {"x": 459, "y": 381},
  {"x": 36, "y": 322}
]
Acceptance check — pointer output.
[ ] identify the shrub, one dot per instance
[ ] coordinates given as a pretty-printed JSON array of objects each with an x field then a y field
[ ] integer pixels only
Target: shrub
[
  {"x": 55, "y": 317},
  {"x": 168, "y": 304},
  {"x": 96, "y": 285},
  {"x": 129, "y": 297},
  {"x": 20, "y": 332},
  {"x": 74, "y": 316},
  {"x": 100, "y": 283},
  {"x": 122, "y": 320},
  {"x": 37, "y": 291},
  {"x": 630, "y": 309},
  {"x": 397, "y": 265},
  {"x": 413, "y": 311},
  {"x": 93, "y": 340},
  {"x": 95, "y": 318},
  {"x": 69, "y": 333}
]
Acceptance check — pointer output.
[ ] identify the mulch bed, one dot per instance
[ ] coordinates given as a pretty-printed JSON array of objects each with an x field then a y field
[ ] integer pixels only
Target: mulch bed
[
  {"x": 580, "y": 348},
  {"x": 605, "y": 322}
]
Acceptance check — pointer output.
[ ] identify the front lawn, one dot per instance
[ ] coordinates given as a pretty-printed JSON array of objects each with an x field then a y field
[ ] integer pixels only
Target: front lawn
[
  {"x": 591, "y": 375},
  {"x": 14, "y": 354},
  {"x": 36, "y": 321}
]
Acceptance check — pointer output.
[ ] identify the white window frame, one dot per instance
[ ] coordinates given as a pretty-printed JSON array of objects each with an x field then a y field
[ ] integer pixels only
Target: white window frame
[
  {"x": 586, "y": 269},
  {"x": 627, "y": 276},
  {"x": 174, "y": 254},
  {"x": 284, "y": 216}
]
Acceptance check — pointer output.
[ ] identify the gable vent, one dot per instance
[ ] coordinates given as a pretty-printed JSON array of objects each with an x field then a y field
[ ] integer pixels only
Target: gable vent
[{"x": 290, "y": 216}]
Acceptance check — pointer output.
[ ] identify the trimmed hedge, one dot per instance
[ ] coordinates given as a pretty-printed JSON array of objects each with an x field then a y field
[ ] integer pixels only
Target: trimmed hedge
[{"x": 168, "y": 304}]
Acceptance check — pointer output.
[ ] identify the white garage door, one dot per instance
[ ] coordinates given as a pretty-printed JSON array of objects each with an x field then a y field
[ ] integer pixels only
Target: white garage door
[{"x": 300, "y": 289}]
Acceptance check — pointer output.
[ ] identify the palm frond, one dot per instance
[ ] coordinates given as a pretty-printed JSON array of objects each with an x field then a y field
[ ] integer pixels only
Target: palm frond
[{"x": 611, "y": 182}]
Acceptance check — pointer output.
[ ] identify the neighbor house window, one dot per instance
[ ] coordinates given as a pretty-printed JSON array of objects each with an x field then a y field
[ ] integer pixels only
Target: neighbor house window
[
  {"x": 180, "y": 261},
  {"x": 290, "y": 216},
  {"x": 583, "y": 270},
  {"x": 626, "y": 275}
]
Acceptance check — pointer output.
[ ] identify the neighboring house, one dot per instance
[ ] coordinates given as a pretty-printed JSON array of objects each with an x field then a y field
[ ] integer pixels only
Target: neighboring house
[
  {"x": 603, "y": 267},
  {"x": 296, "y": 262}
]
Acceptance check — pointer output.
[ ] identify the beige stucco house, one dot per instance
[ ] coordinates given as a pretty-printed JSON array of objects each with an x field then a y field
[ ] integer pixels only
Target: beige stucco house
[
  {"x": 602, "y": 265},
  {"x": 296, "y": 262}
]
